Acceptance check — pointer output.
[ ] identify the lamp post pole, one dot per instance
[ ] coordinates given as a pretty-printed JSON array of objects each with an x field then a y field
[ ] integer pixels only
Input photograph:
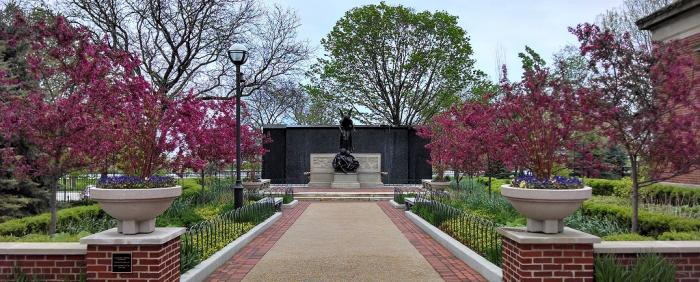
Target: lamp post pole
[
  {"x": 238, "y": 55},
  {"x": 238, "y": 187}
]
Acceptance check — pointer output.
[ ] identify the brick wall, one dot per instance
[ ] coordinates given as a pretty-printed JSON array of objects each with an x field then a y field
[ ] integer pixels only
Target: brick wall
[
  {"x": 687, "y": 264},
  {"x": 693, "y": 43},
  {"x": 149, "y": 262},
  {"x": 547, "y": 262},
  {"x": 48, "y": 268}
]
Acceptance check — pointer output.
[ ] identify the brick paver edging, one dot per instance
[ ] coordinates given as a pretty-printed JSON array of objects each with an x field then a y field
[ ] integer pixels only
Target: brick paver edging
[
  {"x": 240, "y": 264},
  {"x": 445, "y": 263}
]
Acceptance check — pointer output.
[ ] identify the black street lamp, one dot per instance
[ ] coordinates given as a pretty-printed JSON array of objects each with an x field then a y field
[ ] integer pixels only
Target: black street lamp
[{"x": 238, "y": 54}]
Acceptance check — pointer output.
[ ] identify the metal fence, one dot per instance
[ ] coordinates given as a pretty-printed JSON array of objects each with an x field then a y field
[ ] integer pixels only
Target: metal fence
[
  {"x": 205, "y": 238},
  {"x": 474, "y": 232},
  {"x": 71, "y": 188}
]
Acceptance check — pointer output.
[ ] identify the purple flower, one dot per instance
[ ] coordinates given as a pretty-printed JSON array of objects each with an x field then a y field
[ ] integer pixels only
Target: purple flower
[{"x": 135, "y": 182}]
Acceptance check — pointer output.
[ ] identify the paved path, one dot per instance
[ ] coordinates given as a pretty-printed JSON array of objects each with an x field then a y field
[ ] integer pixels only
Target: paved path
[{"x": 344, "y": 241}]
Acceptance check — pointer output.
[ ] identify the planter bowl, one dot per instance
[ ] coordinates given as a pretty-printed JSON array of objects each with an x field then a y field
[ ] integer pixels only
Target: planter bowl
[
  {"x": 439, "y": 186},
  {"x": 255, "y": 186},
  {"x": 545, "y": 209},
  {"x": 135, "y": 209}
]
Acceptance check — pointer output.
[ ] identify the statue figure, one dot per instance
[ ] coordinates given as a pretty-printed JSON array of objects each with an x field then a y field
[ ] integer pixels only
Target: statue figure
[
  {"x": 344, "y": 162},
  {"x": 346, "y": 128}
]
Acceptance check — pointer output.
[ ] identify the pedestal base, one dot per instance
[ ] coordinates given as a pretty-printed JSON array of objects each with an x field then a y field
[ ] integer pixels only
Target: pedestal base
[
  {"x": 130, "y": 227},
  {"x": 549, "y": 226},
  {"x": 345, "y": 180}
]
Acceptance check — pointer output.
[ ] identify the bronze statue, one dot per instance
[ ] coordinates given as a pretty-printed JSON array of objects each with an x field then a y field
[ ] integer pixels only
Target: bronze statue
[
  {"x": 346, "y": 128},
  {"x": 344, "y": 162}
]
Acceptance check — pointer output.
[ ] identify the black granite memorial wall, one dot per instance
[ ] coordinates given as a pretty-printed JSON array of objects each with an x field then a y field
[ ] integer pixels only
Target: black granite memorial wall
[{"x": 404, "y": 156}]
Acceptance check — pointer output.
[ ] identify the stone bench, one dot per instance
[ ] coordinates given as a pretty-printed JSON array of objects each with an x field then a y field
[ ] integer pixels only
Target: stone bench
[{"x": 277, "y": 201}]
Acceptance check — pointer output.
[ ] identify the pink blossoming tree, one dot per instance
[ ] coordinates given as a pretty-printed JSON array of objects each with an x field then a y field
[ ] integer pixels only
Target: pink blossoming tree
[
  {"x": 539, "y": 118},
  {"x": 644, "y": 101},
  {"x": 89, "y": 109},
  {"x": 66, "y": 115}
]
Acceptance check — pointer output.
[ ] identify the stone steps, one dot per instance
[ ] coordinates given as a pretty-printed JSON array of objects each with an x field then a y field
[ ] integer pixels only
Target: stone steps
[{"x": 343, "y": 196}]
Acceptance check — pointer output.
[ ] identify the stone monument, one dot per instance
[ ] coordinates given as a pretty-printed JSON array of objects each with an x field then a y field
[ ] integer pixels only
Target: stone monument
[
  {"x": 343, "y": 170},
  {"x": 344, "y": 163}
]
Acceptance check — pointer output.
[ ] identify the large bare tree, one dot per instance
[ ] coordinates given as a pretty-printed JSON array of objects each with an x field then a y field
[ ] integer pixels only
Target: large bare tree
[
  {"x": 183, "y": 43},
  {"x": 622, "y": 19},
  {"x": 277, "y": 102}
]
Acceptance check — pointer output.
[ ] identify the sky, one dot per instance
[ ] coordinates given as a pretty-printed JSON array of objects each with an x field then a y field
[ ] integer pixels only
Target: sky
[{"x": 502, "y": 26}]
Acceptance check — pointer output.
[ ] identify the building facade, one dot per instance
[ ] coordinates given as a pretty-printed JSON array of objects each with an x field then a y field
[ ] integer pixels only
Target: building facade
[{"x": 678, "y": 21}]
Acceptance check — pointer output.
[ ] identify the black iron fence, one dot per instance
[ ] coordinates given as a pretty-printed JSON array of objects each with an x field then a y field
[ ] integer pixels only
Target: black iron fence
[
  {"x": 207, "y": 237},
  {"x": 71, "y": 188},
  {"x": 474, "y": 232}
]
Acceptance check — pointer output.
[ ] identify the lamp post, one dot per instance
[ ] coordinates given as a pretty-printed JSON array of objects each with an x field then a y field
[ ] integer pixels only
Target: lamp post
[{"x": 238, "y": 54}]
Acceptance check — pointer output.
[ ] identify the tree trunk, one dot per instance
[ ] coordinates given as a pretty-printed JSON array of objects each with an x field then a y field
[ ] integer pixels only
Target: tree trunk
[
  {"x": 202, "y": 179},
  {"x": 635, "y": 194},
  {"x": 489, "y": 185},
  {"x": 53, "y": 187}
]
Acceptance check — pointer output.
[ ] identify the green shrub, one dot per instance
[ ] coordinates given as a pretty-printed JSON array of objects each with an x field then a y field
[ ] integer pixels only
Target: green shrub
[
  {"x": 286, "y": 199},
  {"x": 596, "y": 225},
  {"x": 483, "y": 239},
  {"x": 183, "y": 218},
  {"x": 40, "y": 223},
  {"x": 601, "y": 187},
  {"x": 650, "y": 223},
  {"x": 200, "y": 246},
  {"x": 627, "y": 237},
  {"x": 58, "y": 237},
  {"x": 496, "y": 183},
  {"x": 670, "y": 194},
  {"x": 657, "y": 193},
  {"x": 647, "y": 268},
  {"x": 623, "y": 188},
  {"x": 190, "y": 186},
  {"x": 679, "y": 236},
  {"x": 608, "y": 270}
]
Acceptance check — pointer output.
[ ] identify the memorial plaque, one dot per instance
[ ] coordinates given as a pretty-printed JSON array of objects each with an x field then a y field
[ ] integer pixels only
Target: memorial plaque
[{"x": 121, "y": 262}]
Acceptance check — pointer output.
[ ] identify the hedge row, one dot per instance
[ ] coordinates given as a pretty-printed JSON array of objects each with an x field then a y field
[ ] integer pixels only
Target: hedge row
[
  {"x": 40, "y": 223},
  {"x": 650, "y": 224},
  {"x": 605, "y": 187},
  {"x": 658, "y": 193}
]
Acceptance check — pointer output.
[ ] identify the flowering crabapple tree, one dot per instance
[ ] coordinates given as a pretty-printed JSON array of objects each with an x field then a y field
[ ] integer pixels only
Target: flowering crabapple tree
[
  {"x": 645, "y": 101},
  {"x": 539, "y": 118},
  {"x": 66, "y": 115},
  {"x": 207, "y": 139},
  {"x": 464, "y": 137},
  {"x": 479, "y": 136},
  {"x": 440, "y": 145}
]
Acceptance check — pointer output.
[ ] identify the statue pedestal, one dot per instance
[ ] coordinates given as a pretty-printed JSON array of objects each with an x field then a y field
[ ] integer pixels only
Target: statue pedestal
[
  {"x": 321, "y": 174},
  {"x": 345, "y": 180}
]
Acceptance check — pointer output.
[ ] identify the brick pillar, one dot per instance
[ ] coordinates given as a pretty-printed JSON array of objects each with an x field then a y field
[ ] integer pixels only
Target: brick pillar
[
  {"x": 153, "y": 257},
  {"x": 567, "y": 256}
]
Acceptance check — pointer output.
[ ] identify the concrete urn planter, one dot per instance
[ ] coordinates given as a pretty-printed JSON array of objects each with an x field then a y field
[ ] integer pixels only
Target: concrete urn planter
[
  {"x": 255, "y": 186},
  {"x": 135, "y": 209},
  {"x": 439, "y": 186},
  {"x": 545, "y": 209}
]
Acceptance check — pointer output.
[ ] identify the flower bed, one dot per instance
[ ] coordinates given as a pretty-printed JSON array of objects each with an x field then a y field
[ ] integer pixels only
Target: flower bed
[
  {"x": 207, "y": 237},
  {"x": 194, "y": 206},
  {"x": 474, "y": 232},
  {"x": 666, "y": 194},
  {"x": 651, "y": 223},
  {"x": 607, "y": 217}
]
